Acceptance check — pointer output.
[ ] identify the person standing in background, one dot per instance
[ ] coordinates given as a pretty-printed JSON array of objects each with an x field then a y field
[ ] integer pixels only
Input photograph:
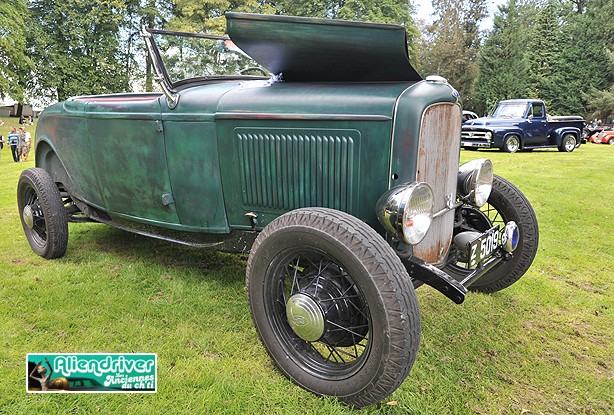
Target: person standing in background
[
  {"x": 21, "y": 143},
  {"x": 28, "y": 144},
  {"x": 13, "y": 141}
]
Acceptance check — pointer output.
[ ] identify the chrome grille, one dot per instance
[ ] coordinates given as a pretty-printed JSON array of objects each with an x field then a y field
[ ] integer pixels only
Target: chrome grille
[
  {"x": 438, "y": 158},
  {"x": 290, "y": 168},
  {"x": 474, "y": 135}
]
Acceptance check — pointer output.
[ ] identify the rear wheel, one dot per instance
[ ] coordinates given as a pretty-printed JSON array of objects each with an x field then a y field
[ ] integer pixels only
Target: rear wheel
[
  {"x": 506, "y": 203},
  {"x": 568, "y": 143},
  {"x": 333, "y": 305},
  {"x": 42, "y": 213}
]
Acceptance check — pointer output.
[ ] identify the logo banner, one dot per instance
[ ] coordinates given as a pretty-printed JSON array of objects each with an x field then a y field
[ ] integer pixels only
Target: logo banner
[{"x": 91, "y": 372}]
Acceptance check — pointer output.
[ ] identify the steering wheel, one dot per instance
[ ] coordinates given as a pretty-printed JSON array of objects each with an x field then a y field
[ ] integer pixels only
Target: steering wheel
[{"x": 252, "y": 68}]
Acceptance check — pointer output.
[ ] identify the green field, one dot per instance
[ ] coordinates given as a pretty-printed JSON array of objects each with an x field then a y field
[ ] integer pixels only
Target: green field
[{"x": 543, "y": 346}]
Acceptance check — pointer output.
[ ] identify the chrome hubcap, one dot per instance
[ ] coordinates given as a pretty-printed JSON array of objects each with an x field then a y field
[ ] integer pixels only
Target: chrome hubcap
[
  {"x": 305, "y": 317},
  {"x": 513, "y": 145},
  {"x": 28, "y": 216}
]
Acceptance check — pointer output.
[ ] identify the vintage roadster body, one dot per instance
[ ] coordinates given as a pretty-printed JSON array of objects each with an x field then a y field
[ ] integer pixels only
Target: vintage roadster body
[{"x": 330, "y": 161}]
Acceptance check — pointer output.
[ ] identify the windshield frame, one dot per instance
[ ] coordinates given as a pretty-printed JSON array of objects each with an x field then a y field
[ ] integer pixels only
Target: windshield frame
[{"x": 171, "y": 88}]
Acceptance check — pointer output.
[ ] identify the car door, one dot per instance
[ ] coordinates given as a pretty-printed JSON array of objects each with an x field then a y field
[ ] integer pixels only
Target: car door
[
  {"x": 127, "y": 146},
  {"x": 536, "y": 126},
  {"x": 193, "y": 160}
]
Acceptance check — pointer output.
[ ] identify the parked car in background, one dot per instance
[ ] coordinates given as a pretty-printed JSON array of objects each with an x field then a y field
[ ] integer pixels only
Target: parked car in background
[
  {"x": 327, "y": 157},
  {"x": 603, "y": 137},
  {"x": 469, "y": 115},
  {"x": 522, "y": 124}
]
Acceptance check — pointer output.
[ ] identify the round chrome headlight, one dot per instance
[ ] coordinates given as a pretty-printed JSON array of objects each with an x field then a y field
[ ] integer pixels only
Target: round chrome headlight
[
  {"x": 475, "y": 181},
  {"x": 407, "y": 211}
]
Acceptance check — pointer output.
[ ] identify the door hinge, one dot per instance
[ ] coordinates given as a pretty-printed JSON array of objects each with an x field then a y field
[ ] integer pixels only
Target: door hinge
[
  {"x": 167, "y": 199},
  {"x": 159, "y": 126}
]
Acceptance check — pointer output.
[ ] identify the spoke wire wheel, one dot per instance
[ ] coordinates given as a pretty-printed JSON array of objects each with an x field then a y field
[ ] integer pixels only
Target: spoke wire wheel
[
  {"x": 333, "y": 305},
  {"x": 42, "y": 213},
  {"x": 506, "y": 203},
  {"x": 335, "y": 324}
]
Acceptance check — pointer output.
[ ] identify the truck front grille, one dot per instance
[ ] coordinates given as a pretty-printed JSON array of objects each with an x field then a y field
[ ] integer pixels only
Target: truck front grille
[
  {"x": 470, "y": 135},
  {"x": 438, "y": 158}
]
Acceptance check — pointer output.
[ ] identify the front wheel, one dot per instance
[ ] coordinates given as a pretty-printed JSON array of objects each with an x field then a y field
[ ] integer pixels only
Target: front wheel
[
  {"x": 42, "y": 213},
  {"x": 505, "y": 203},
  {"x": 568, "y": 143},
  {"x": 511, "y": 144},
  {"x": 333, "y": 305}
]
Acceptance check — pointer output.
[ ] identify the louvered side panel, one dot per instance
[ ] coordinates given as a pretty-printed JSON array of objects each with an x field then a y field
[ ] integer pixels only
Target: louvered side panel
[
  {"x": 438, "y": 158},
  {"x": 285, "y": 169}
]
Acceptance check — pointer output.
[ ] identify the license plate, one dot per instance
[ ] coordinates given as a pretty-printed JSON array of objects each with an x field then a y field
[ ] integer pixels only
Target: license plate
[
  {"x": 483, "y": 247},
  {"x": 472, "y": 144}
]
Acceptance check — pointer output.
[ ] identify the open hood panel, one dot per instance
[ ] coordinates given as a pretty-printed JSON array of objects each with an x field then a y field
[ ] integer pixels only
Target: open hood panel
[{"x": 323, "y": 50}]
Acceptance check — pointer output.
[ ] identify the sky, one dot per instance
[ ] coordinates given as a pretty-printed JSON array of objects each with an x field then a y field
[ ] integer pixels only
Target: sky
[{"x": 424, "y": 10}]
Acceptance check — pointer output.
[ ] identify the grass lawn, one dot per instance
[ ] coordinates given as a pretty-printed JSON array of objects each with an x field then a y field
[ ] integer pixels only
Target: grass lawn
[{"x": 543, "y": 346}]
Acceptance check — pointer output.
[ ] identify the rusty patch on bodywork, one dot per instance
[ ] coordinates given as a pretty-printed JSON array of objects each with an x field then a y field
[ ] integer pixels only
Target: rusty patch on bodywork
[{"x": 438, "y": 158}]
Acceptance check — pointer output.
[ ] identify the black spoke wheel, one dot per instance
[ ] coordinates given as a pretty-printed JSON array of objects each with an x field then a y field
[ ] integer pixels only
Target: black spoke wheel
[
  {"x": 506, "y": 203},
  {"x": 333, "y": 305},
  {"x": 42, "y": 213}
]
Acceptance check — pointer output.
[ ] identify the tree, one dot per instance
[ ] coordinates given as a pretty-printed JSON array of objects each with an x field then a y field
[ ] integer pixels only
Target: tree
[
  {"x": 14, "y": 62},
  {"x": 151, "y": 14},
  {"x": 601, "y": 104},
  {"x": 503, "y": 68},
  {"x": 75, "y": 45},
  {"x": 586, "y": 65},
  {"x": 543, "y": 54},
  {"x": 451, "y": 44}
]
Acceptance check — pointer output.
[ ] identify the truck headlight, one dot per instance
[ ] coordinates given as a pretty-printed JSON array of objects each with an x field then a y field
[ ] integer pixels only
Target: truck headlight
[
  {"x": 407, "y": 211},
  {"x": 488, "y": 136},
  {"x": 475, "y": 181}
]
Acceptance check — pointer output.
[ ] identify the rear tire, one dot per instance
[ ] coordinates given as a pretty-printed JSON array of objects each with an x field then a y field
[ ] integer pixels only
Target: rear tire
[
  {"x": 505, "y": 203},
  {"x": 333, "y": 305},
  {"x": 42, "y": 213},
  {"x": 568, "y": 143}
]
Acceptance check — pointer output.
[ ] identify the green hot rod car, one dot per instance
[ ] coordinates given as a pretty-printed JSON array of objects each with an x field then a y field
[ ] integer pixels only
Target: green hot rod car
[{"x": 323, "y": 154}]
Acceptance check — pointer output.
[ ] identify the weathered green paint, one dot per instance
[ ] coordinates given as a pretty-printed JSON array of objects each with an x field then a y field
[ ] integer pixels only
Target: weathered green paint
[
  {"x": 323, "y": 50},
  {"x": 231, "y": 147}
]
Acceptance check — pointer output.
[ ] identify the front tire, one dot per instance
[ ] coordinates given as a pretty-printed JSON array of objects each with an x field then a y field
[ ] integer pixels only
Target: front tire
[
  {"x": 333, "y": 305},
  {"x": 42, "y": 213},
  {"x": 568, "y": 143},
  {"x": 511, "y": 144},
  {"x": 506, "y": 203}
]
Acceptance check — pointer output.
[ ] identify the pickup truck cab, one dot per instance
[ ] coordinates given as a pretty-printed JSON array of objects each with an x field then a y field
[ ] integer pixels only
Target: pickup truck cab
[{"x": 522, "y": 124}]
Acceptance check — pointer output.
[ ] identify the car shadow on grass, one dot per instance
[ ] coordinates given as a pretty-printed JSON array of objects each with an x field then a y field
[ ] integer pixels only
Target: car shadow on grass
[{"x": 88, "y": 239}]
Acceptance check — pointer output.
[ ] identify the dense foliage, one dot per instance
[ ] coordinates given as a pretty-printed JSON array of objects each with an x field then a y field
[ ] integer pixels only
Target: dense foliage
[
  {"x": 14, "y": 62},
  {"x": 561, "y": 51}
]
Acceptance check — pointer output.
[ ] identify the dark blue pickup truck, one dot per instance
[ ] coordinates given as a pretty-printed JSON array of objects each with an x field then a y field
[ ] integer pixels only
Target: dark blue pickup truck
[{"x": 522, "y": 124}]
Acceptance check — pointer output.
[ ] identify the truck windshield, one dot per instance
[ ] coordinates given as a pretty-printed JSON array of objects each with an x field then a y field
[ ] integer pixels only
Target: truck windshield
[{"x": 510, "y": 109}]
